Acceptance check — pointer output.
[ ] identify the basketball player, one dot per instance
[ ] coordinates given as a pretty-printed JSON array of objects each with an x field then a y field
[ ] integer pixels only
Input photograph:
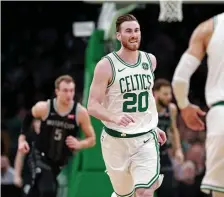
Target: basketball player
[
  {"x": 172, "y": 148},
  {"x": 23, "y": 163},
  {"x": 61, "y": 118},
  {"x": 206, "y": 38},
  {"x": 121, "y": 97}
]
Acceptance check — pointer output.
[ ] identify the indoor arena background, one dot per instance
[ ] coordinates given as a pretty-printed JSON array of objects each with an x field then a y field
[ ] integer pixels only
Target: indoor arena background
[{"x": 42, "y": 40}]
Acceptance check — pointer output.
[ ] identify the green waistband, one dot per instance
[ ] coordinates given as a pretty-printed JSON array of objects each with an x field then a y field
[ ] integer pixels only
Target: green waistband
[
  {"x": 114, "y": 133},
  {"x": 218, "y": 103}
]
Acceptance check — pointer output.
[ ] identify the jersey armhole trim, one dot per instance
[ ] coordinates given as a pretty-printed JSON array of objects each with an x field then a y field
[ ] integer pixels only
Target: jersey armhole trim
[
  {"x": 76, "y": 113},
  {"x": 48, "y": 112},
  {"x": 214, "y": 22},
  {"x": 150, "y": 64},
  {"x": 113, "y": 71}
]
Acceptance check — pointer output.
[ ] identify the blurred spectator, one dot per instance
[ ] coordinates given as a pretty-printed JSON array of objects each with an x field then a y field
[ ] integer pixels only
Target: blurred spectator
[
  {"x": 5, "y": 141},
  {"x": 7, "y": 172}
]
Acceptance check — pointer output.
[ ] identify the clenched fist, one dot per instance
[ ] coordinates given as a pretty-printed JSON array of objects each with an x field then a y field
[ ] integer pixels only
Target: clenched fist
[
  {"x": 24, "y": 147},
  {"x": 192, "y": 117},
  {"x": 73, "y": 143},
  {"x": 124, "y": 120},
  {"x": 161, "y": 136}
]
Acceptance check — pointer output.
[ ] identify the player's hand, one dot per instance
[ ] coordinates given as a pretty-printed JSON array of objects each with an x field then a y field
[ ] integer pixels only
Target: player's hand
[
  {"x": 124, "y": 120},
  {"x": 191, "y": 116},
  {"x": 179, "y": 156},
  {"x": 161, "y": 136},
  {"x": 189, "y": 171},
  {"x": 24, "y": 147},
  {"x": 18, "y": 181},
  {"x": 73, "y": 143}
]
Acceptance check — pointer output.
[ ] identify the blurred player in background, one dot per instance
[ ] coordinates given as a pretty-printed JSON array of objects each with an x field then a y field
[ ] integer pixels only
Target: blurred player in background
[
  {"x": 172, "y": 148},
  {"x": 60, "y": 118},
  {"x": 24, "y": 164},
  {"x": 121, "y": 97},
  {"x": 206, "y": 38}
]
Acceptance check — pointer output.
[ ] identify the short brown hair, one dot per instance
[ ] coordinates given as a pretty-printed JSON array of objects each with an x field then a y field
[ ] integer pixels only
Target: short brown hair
[
  {"x": 122, "y": 19},
  {"x": 66, "y": 78},
  {"x": 161, "y": 83}
]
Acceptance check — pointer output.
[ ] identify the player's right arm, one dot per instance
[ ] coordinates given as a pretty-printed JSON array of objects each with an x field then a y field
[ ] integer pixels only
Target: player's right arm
[
  {"x": 38, "y": 111},
  {"x": 176, "y": 141},
  {"x": 19, "y": 161},
  {"x": 187, "y": 65},
  {"x": 101, "y": 79}
]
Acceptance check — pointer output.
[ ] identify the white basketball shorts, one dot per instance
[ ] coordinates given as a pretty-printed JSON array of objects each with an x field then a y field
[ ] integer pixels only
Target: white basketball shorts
[
  {"x": 131, "y": 162},
  {"x": 214, "y": 176}
]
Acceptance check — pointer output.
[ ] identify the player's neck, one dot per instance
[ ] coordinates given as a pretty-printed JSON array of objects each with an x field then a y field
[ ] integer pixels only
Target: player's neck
[
  {"x": 160, "y": 108},
  {"x": 63, "y": 108},
  {"x": 128, "y": 56}
]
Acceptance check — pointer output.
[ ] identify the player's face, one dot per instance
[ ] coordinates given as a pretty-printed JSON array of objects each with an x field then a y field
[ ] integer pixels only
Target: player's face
[
  {"x": 164, "y": 96},
  {"x": 130, "y": 35},
  {"x": 65, "y": 93}
]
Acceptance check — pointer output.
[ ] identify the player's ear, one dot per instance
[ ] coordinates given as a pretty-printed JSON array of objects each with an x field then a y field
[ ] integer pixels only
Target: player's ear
[
  {"x": 118, "y": 35},
  {"x": 155, "y": 93},
  {"x": 56, "y": 91}
]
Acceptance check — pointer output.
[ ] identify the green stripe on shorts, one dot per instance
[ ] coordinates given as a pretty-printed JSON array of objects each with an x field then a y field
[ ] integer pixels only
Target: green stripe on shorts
[
  {"x": 212, "y": 188},
  {"x": 156, "y": 176},
  {"x": 218, "y": 103}
]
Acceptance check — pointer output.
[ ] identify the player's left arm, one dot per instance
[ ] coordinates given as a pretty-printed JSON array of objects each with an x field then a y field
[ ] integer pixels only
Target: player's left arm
[
  {"x": 176, "y": 142},
  {"x": 153, "y": 60},
  {"x": 188, "y": 64},
  {"x": 190, "y": 61},
  {"x": 84, "y": 122}
]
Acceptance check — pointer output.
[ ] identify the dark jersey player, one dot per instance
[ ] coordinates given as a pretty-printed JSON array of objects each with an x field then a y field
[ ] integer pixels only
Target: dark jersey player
[
  {"x": 23, "y": 163},
  {"x": 167, "y": 113},
  {"x": 60, "y": 118}
]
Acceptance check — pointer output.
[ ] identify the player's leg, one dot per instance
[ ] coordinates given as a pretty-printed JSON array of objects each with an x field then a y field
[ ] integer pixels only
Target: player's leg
[
  {"x": 116, "y": 159},
  {"x": 168, "y": 188},
  {"x": 30, "y": 177},
  {"x": 213, "y": 179},
  {"x": 30, "y": 185},
  {"x": 30, "y": 192},
  {"x": 47, "y": 183},
  {"x": 145, "y": 166},
  {"x": 217, "y": 194}
]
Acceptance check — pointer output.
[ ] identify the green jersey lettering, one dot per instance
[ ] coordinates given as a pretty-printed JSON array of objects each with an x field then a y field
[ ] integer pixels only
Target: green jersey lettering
[{"x": 128, "y": 85}]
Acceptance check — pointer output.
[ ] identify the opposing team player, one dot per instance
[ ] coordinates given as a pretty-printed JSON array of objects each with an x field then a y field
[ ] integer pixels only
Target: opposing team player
[
  {"x": 24, "y": 163},
  {"x": 206, "y": 38},
  {"x": 61, "y": 118},
  {"x": 121, "y": 96},
  {"x": 172, "y": 148}
]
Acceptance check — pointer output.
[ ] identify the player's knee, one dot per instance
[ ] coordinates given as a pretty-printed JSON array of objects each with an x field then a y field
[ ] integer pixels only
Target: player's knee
[
  {"x": 144, "y": 192},
  {"x": 148, "y": 192}
]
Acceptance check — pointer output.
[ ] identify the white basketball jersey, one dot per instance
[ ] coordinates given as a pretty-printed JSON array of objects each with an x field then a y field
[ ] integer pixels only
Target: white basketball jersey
[
  {"x": 130, "y": 92},
  {"x": 215, "y": 80}
]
